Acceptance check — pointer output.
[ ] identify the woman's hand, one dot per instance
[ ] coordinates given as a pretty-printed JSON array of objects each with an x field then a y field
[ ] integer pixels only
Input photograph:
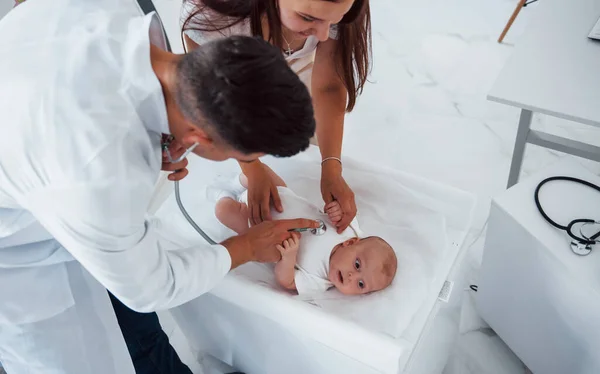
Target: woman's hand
[
  {"x": 262, "y": 192},
  {"x": 335, "y": 188}
]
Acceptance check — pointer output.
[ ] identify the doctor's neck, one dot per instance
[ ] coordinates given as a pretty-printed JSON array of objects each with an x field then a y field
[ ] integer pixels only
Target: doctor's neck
[
  {"x": 185, "y": 131},
  {"x": 164, "y": 65},
  {"x": 181, "y": 105}
]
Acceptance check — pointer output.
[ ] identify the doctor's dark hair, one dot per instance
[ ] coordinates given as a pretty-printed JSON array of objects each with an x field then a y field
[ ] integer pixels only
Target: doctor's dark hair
[{"x": 244, "y": 90}]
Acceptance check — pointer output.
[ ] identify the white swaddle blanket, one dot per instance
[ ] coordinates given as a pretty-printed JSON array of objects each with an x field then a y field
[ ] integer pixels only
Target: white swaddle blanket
[{"x": 423, "y": 221}]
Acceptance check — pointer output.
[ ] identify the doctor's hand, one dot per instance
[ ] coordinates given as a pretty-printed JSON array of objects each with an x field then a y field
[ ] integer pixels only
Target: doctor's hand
[
  {"x": 178, "y": 169},
  {"x": 260, "y": 243},
  {"x": 335, "y": 189},
  {"x": 262, "y": 191}
]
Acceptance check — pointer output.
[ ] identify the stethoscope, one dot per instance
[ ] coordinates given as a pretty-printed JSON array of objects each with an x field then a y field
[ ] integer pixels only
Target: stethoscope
[
  {"x": 165, "y": 146},
  {"x": 580, "y": 244}
]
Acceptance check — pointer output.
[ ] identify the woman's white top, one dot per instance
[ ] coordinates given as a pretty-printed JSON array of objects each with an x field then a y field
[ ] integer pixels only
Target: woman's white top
[{"x": 300, "y": 61}]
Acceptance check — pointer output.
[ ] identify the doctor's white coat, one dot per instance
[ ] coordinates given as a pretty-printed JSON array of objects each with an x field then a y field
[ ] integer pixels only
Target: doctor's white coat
[{"x": 81, "y": 116}]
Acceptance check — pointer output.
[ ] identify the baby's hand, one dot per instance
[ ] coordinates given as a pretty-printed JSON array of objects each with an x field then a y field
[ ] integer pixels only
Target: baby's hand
[
  {"x": 289, "y": 247},
  {"x": 334, "y": 211}
]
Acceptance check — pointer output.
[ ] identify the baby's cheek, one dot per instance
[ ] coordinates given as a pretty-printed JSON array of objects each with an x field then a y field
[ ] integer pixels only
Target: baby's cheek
[
  {"x": 344, "y": 290},
  {"x": 349, "y": 290}
]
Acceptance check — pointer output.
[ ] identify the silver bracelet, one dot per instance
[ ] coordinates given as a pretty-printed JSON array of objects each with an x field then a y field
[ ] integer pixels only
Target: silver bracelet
[{"x": 332, "y": 158}]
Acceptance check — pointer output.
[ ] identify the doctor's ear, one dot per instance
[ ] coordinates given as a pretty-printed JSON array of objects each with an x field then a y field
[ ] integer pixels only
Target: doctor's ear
[{"x": 197, "y": 136}]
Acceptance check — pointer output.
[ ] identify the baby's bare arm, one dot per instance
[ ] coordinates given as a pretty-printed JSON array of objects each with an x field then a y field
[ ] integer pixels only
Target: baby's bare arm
[{"x": 286, "y": 267}]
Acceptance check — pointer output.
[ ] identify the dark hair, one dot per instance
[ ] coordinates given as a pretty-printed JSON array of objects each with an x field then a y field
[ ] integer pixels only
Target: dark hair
[
  {"x": 243, "y": 89},
  {"x": 353, "y": 53}
]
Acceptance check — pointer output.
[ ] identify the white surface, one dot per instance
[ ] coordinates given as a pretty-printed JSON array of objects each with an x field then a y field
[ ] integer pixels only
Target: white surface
[
  {"x": 425, "y": 112},
  {"x": 563, "y": 201},
  {"x": 425, "y": 223},
  {"x": 540, "y": 298},
  {"x": 84, "y": 338},
  {"x": 5, "y": 6},
  {"x": 554, "y": 70},
  {"x": 595, "y": 32}
]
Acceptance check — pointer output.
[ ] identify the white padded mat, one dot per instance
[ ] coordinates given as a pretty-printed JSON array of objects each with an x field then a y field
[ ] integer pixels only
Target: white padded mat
[{"x": 425, "y": 222}]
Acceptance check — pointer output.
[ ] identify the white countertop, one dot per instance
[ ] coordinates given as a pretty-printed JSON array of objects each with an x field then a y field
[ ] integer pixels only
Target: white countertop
[
  {"x": 563, "y": 201},
  {"x": 555, "y": 68}
]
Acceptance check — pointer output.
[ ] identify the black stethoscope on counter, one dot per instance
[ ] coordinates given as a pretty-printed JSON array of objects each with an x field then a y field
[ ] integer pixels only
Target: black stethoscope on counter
[{"x": 581, "y": 244}]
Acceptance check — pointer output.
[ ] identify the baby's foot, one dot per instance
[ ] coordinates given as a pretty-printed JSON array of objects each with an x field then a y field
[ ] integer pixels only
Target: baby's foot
[{"x": 232, "y": 214}]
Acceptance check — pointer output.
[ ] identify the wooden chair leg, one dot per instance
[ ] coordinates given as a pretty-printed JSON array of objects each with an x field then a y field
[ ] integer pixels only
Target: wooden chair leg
[{"x": 511, "y": 20}]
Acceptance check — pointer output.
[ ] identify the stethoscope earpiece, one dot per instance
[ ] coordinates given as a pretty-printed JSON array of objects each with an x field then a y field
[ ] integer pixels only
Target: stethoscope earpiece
[{"x": 165, "y": 147}]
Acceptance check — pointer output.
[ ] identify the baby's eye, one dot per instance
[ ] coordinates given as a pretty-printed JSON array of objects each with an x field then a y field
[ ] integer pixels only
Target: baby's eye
[
  {"x": 307, "y": 19},
  {"x": 357, "y": 264},
  {"x": 361, "y": 284}
]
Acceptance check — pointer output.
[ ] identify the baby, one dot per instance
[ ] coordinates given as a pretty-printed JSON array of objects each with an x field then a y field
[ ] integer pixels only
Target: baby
[{"x": 348, "y": 261}]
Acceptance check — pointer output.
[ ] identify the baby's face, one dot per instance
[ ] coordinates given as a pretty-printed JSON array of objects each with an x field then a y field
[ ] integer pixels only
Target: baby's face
[{"x": 360, "y": 266}]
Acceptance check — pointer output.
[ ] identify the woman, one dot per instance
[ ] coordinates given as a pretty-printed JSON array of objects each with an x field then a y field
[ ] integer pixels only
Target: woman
[{"x": 328, "y": 44}]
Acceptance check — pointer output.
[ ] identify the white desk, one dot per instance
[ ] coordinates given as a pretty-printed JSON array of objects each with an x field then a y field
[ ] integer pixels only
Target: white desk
[
  {"x": 554, "y": 70},
  {"x": 537, "y": 295}
]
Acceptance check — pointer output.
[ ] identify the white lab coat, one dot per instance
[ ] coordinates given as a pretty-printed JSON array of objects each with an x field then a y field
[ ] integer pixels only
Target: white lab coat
[{"x": 81, "y": 113}]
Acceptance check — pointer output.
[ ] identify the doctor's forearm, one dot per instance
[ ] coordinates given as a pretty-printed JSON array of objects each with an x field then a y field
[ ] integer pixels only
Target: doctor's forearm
[{"x": 330, "y": 109}]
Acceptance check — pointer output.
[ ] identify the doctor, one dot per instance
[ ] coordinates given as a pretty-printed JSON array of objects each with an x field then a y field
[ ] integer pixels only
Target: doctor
[{"x": 87, "y": 92}]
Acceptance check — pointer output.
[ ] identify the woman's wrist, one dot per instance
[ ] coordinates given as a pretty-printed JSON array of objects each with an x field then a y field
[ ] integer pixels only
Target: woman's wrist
[
  {"x": 332, "y": 159},
  {"x": 331, "y": 165},
  {"x": 249, "y": 167}
]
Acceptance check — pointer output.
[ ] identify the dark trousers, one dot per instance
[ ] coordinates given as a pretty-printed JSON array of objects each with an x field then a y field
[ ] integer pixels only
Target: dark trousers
[{"x": 147, "y": 343}]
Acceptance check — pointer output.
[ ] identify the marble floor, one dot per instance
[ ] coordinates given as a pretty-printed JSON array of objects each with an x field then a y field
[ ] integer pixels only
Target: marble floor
[{"x": 425, "y": 112}]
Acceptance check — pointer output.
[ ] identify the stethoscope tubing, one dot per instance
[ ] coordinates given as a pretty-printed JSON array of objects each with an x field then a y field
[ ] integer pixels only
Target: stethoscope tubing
[{"x": 569, "y": 228}]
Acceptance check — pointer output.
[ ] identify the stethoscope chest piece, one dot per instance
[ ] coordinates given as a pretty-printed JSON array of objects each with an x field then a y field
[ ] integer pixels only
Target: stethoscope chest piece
[
  {"x": 581, "y": 244},
  {"x": 580, "y": 249},
  {"x": 319, "y": 230}
]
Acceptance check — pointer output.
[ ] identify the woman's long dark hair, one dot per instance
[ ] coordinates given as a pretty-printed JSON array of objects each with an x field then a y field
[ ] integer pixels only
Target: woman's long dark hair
[{"x": 353, "y": 53}]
